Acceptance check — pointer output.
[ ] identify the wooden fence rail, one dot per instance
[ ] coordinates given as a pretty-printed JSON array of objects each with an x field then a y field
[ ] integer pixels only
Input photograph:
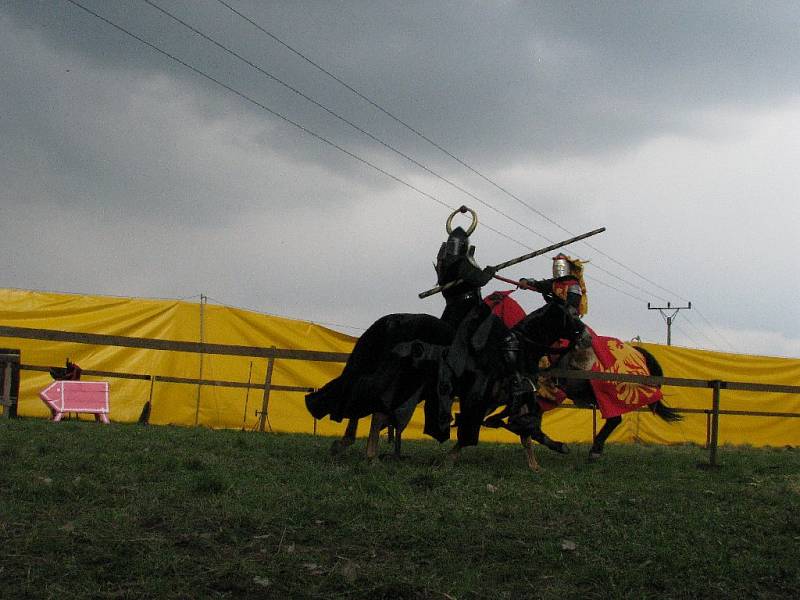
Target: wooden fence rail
[{"x": 273, "y": 354}]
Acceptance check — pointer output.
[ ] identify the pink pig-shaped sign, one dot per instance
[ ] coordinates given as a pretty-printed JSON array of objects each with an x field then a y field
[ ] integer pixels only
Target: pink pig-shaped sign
[{"x": 77, "y": 396}]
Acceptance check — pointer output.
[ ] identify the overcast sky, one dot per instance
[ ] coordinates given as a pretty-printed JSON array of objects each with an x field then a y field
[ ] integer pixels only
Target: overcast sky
[{"x": 301, "y": 158}]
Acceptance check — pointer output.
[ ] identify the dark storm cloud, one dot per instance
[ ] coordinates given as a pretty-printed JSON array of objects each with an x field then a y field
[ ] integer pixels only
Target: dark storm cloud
[
  {"x": 490, "y": 81},
  {"x": 500, "y": 79}
]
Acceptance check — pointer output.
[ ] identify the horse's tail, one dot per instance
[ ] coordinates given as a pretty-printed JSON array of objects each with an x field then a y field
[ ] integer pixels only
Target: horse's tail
[
  {"x": 332, "y": 397},
  {"x": 653, "y": 366},
  {"x": 669, "y": 414}
]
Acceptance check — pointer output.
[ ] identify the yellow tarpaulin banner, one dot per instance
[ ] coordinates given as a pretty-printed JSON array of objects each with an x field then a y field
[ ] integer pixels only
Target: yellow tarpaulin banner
[{"x": 221, "y": 407}]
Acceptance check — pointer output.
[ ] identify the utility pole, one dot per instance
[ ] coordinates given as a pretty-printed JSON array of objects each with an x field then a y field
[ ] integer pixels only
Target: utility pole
[{"x": 669, "y": 318}]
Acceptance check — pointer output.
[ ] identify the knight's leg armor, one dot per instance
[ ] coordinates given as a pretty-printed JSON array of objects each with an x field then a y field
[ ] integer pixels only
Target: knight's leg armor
[{"x": 522, "y": 388}]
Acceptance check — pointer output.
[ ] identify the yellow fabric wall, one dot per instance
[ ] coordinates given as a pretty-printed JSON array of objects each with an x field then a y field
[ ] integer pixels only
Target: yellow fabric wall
[
  {"x": 225, "y": 407},
  {"x": 175, "y": 321}
]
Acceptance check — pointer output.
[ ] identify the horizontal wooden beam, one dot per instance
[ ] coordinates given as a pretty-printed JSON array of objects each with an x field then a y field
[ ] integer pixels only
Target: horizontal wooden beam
[
  {"x": 168, "y": 379},
  {"x": 97, "y": 339},
  {"x": 314, "y": 355},
  {"x": 673, "y": 381}
]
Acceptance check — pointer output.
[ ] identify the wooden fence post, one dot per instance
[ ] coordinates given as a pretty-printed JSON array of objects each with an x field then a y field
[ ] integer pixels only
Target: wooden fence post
[
  {"x": 267, "y": 387},
  {"x": 7, "y": 390},
  {"x": 144, "y": 416},
  {"x": 717, "y": 386}
]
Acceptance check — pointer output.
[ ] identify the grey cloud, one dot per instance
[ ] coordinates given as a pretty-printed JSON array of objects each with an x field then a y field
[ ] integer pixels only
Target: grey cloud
[{"x": 489, "y": 81}]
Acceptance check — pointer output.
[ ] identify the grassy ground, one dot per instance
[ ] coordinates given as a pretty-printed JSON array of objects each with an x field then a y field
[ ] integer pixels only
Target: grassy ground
[{"x": 125, "y": 511}]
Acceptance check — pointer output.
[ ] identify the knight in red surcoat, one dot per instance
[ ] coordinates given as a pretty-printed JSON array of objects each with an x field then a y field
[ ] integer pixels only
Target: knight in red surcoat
[{"x": 567, "y": 284}]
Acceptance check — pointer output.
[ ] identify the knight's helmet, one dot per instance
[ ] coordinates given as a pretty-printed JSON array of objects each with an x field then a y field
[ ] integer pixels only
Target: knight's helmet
[
  {"x": 562, "y": 265},
  {"x": 457, "y": 246}
]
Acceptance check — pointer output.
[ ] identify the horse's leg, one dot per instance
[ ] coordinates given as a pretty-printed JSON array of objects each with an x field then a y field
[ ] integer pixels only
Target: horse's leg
[
  {"x": 527, "y": 443},
  {"x": 348, "y": 439},
  {"x": 453, "y": 455},
  {"x": 397, "y": 439},
  {"x": 541, "y": 437},
  {"x": 379, "y": 421},
  {"x": 602, "y": 435},
  {"x": 534, "y": 430}
]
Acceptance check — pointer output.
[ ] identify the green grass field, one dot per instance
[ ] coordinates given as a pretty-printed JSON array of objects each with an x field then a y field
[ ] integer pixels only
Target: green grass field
[{"x": 124, "y": 511}]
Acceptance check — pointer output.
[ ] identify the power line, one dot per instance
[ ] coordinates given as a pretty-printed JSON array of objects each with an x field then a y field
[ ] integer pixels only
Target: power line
[
  {"x": 292, "y": 122},
  {"x": 329, "y": 142},
  {"x": 457, "y": 159},
  {"x": 711, "y": 343},
  {"x": 378, "y": 140},
  {"x": 343, "y": 119},
  {"x": 603, "y": 283},
  {"x": 262, "y": 106},
  {"x": 288, "y": 120},
  {"x": 722, "y": 337},
  {"x": 434, "y": 144},
  {"x": 686, "y": 335}
]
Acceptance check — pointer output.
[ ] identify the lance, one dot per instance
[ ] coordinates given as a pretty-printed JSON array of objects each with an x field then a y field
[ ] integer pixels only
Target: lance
[{"x": 514, "y": 261}]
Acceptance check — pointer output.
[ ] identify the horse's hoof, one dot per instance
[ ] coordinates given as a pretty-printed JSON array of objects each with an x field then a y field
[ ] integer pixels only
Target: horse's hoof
[
  {"x": 337, "y": 447},
  {"x": 448, "y": 462},
  {"x": 594, "y": 456},
  {"x": 392, "y": 456},
  {"x": 561, "y": 448}
]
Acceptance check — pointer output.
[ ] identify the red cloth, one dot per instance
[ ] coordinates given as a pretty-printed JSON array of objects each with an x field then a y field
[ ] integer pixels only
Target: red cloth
[
  {"x": 561, "y": 287},
  {"x": 505, "y": 307},
  {"x": 615, "y": 398}
]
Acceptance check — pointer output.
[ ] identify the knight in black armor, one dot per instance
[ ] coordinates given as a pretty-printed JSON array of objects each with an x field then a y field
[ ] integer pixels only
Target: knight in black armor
[
  {"x": 458, "y": 273},
  {"x": 475, "y": 329}
]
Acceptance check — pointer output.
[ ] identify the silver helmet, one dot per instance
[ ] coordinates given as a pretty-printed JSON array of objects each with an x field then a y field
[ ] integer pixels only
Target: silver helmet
[{"x": 561, "y": 266}]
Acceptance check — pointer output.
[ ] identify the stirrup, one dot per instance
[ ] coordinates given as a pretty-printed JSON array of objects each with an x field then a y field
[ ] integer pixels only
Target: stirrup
[{"x": 523, "y": 386}]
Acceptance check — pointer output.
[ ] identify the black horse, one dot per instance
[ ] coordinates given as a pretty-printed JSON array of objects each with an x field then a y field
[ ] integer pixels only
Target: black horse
[
  {"x": 403, "y": 359},
  {"x": 581, "y": 392},
  {"x": 538, "y": 332}
]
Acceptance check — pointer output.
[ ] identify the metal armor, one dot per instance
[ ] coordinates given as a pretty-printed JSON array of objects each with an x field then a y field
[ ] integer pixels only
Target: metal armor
[{"x": 561, "y": 266}]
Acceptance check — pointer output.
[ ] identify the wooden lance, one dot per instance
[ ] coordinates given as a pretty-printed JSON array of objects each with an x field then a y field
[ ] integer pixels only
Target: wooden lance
[{"x": 514, "y": 261}]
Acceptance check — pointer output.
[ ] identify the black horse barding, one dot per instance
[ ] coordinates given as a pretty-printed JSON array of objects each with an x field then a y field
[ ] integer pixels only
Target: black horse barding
[
  {"x": 538, "y": 332},
  {"x": 377, "y": 382},
  {"x": 403, "y": 359}
]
